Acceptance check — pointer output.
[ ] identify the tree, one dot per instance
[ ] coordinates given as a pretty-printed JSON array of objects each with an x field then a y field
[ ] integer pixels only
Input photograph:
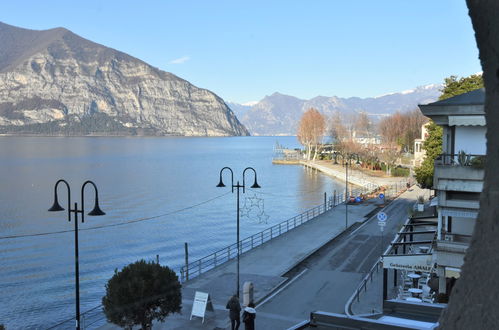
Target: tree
[
  {"x": 433, "y": 143},
  {"x": 454, "y": 86},
  {"x": 140, "y": 293},
  {"x": 433, "y": 147},
  {"x": 337, "y": 131},
  {"x": 311, "y": 130},
  {"x": 402, "y": 128},
  {"x": 473, "y": 303}
]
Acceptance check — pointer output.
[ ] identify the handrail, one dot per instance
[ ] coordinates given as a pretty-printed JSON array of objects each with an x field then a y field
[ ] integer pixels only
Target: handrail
[
  {"x": 197, "y": 267},
  {"x": 462, "y": 159},
  {"x": 267, "y": 235}
]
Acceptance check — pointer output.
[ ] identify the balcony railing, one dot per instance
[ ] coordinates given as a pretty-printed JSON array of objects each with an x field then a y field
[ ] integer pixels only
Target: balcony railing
[{"x": 461, "y": 159}]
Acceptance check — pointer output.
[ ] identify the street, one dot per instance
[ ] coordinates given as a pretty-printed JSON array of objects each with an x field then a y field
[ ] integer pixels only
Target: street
[{"x": 327, "y": 279}]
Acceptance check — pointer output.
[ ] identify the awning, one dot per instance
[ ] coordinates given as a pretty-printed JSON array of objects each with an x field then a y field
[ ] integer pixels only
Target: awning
[
  {"x": 452, "y": 272},
  {"x": 461, "y": 213},
  {"x": 466, "y": 120}
]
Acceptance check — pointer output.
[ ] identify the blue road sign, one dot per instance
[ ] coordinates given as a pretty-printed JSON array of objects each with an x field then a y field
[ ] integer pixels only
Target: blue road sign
[
  {"x": 381, "y": 196},
  {"x": 382, "y": 216}
]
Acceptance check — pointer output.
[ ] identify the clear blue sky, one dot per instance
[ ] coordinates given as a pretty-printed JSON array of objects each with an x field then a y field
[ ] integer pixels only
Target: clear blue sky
[{"x": 244, "y": 50}]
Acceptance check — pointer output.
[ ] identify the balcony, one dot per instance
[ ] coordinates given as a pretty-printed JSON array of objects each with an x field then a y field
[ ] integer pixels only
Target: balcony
[
  {"x": 459, "y": 172},
  {"x": 450, "y": 251}
]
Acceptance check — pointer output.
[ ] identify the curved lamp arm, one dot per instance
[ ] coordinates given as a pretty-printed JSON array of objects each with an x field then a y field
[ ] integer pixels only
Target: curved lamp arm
[
  {"x": 56, "y": 206},
  {"x": 96, "y": 211},
  {"x": 255, "y": 184},
  {"x": 221, "y": 184}
]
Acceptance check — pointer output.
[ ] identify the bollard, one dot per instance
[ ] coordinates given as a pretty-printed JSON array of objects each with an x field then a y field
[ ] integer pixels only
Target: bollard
[{"x": 247, "y": 293}]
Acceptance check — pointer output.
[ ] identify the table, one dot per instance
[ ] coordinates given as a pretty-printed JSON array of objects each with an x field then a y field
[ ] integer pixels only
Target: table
[
  {"x": 413, "y": 299},
  {"x": 415, "y": 277},
  {"x": 424, "y": 249},
  {"x": 415, "y": 292}
]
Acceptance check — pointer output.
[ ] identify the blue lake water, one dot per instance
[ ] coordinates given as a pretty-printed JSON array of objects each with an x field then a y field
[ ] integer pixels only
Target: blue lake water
[{"x": 169, "y": 184}]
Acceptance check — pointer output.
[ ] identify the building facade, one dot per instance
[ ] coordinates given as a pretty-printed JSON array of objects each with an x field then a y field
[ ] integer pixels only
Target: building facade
[{"x": 458, "y": 178}]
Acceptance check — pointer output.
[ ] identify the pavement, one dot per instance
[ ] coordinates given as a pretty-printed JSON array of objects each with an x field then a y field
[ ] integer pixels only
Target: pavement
[
  {"x": 277, "y": 265},
  {"x": 327, "y": 279},
  {"x": 265, "y": 266}
]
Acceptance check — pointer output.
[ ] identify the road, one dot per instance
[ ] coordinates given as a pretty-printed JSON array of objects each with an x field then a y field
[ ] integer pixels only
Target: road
[{"x": 327, "y": 279}]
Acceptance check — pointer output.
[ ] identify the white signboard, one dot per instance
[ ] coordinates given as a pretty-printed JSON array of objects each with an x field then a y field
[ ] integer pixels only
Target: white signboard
[
  {"x": 415, "y": 263},
  {"x": 202, "y": 302}
]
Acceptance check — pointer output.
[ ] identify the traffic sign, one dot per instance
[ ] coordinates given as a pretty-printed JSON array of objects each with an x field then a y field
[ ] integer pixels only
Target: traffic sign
[
  {"x": 381, "y": 196},
  {"x": 382, "y": 216}
]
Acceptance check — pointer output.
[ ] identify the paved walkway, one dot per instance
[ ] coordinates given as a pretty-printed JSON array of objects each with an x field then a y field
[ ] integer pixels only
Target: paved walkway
[
  {"x": 265, "y": 266},
  {"x": 357, "y": 177}
]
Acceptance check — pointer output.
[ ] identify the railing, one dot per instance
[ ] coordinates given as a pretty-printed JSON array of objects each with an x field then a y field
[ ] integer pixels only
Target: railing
[
  {"x": 461, "y": 159},
  {"x": 94, "y": 317},
  {"x": 221, "y": 256},
  {"x": 362, "y": 286}
]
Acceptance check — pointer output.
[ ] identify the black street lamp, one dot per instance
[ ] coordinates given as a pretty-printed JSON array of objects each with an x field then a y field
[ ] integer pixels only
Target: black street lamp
[
  {"x": 95, "y": 212},
  {"x": 347, "y": 157},
  {"x": 255, "y": 185}
]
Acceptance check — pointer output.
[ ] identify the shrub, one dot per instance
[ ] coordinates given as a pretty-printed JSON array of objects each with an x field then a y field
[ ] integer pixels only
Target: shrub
[
  {"x": 400, "y": 171},
  {"x": 140, "y": 293},
  {"x": 478, "y": 162}
]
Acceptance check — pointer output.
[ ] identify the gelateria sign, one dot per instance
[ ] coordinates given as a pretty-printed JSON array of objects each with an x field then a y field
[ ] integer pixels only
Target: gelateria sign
[{"x": 415, "y": 263}]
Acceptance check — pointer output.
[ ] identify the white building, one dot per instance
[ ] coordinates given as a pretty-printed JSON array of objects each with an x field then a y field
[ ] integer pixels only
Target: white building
[
  {"x": 419, "y": 152},
  {"x": 458, "y": 177}
]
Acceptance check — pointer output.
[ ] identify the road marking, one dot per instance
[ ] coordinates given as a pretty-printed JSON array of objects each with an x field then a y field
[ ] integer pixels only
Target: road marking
[{"x": 282, "y": 288}]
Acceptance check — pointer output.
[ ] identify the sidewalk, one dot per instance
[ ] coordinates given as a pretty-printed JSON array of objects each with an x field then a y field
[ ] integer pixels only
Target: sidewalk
[
  {"x": 265, "y": 266},
  {"x": 357, "y": 177}
]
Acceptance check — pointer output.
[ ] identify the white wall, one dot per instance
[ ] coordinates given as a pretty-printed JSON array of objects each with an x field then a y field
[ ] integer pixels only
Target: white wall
[
  {"x": 471, "y": 139},
  {"x": 463, "y": 226}
]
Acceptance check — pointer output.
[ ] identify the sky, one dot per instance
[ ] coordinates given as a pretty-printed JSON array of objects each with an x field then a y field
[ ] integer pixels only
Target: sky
[{"x": 245, "y": 50}]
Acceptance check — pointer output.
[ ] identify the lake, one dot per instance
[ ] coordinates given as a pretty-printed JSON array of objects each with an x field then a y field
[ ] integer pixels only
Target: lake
[{"x": 157, "y": 192}]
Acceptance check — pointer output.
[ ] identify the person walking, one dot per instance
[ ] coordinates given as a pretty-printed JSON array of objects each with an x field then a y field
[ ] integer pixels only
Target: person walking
[
  {"x": 234, "y": 312},
  {"x": 249, "y": 316}
]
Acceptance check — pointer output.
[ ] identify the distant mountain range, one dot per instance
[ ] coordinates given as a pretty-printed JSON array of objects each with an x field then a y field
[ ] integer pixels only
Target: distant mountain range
[
  {"x": 55, "y": 82},
  {"x": 279, "y": 114}
]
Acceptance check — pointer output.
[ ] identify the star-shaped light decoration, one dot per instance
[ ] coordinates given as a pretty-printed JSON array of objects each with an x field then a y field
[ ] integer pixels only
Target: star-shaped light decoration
[{"x": 254, "y": 209}]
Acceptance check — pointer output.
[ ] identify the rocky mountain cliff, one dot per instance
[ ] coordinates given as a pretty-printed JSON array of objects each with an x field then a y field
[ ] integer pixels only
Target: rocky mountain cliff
[
  {"x": 55, "y": 82},
  {"x": 279, "y": 114}
]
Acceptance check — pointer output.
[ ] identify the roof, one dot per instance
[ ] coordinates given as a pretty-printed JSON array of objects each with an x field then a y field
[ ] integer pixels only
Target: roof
[
  {"x": 474, "y": 97},
  {"x": 467, "y": 104}
]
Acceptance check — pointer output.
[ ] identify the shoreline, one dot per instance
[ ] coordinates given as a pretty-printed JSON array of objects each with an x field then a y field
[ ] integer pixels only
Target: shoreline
[{"x": 355, "y": 176}]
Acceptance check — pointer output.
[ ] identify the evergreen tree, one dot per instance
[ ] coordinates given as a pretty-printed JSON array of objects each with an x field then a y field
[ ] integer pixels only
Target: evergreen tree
[
  {"x": 454, "y": 86},
  {"x": 433, "y": 147},
  {"x": 140, "y": 293},
  {"x": 433, "y": 144}
]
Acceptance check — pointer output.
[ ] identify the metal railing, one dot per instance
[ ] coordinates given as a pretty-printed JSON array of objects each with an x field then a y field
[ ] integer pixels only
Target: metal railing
[
  {"x": 461, "y": 159},
  {"x": 95, "y": 316},
  {"x": 227, "y": 253},
  {"x": 221, "y": 256},
  {"x": 362, "y": 286}
]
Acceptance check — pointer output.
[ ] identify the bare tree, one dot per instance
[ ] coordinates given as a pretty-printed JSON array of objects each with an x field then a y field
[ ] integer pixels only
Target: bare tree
[
  {"x": 362, "y": 124},
  {"x": 311, "y": 130},
  {"x": 402, "y": 128}
]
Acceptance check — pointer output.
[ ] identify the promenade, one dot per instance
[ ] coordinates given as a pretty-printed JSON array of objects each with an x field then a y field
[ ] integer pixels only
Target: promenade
[
  {"x": 269, "y": 266},
  {"x": 265, "y": 266}
]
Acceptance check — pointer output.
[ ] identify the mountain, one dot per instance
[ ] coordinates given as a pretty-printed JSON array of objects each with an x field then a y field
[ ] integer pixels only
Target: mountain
[
  {"x": 57, "y": 83},
  {"x": 279, "y": 114}
]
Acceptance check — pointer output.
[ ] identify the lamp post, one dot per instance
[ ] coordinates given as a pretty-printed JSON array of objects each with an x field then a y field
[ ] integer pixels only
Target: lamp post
[
  {"x": 347, "y": 157},
  {"x": 95, "y": 212},
  {"x": 237, "y": 186}
]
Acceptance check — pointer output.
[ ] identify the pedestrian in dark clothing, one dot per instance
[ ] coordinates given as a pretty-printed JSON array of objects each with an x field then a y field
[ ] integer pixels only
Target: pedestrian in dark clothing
[
  {"x": 249, "y": 316},
  {"x": 234, "y": 312}
]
